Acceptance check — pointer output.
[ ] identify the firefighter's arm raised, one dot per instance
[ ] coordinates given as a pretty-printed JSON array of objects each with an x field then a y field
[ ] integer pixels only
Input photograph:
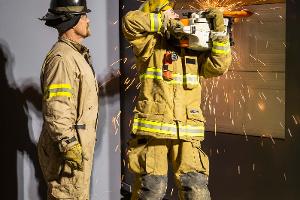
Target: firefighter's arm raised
[
  {"x": 141, "y": 29},
  {"x": 59, "y": 103},
  {"x": 218, "y": 60}
]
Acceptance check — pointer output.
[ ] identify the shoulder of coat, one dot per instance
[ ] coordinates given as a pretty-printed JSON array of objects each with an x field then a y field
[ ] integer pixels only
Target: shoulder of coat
[{"x": 63, "y": 50}]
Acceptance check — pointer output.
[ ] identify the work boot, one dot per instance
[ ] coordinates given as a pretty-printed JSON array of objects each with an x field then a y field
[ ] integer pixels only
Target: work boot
[
  {"x": 152, "y": 187},
  {"x": 193, "y": 186}
]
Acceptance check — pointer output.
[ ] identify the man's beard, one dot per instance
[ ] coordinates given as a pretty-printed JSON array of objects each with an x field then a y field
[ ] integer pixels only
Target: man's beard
[
  {"x": 88, "y": 31},
  {"x": 84, "y": 34}
]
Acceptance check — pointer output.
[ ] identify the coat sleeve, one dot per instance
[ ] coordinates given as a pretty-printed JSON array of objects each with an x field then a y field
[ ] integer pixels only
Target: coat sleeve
[
  {"x": 59, "y": 103},
  {"x": 218, "y": 60},
  {"x": 141, "y": 29}
]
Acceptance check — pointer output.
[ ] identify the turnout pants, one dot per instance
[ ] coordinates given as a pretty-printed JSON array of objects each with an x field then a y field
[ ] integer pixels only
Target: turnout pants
[
  {"x": 148, "y": 159},
  {"x": 62, "y": 184}
]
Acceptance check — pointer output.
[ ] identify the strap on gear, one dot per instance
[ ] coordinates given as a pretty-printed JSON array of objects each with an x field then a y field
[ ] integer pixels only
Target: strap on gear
[{"x": 79, "y": 126}]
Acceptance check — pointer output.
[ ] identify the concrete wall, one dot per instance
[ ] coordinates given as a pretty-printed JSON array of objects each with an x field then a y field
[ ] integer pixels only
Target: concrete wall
[{"x": 24, "y": 43}]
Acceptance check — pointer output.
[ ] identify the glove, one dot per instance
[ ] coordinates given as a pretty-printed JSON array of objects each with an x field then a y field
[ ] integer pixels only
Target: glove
[
  {"x": 74, "y": 157},
  {"x": 175, "y": 28},
  {"x": 218, "y": 20}
]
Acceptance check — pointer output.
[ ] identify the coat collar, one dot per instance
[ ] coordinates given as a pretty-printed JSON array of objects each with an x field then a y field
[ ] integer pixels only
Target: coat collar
[{"x": 79, "y": 47}]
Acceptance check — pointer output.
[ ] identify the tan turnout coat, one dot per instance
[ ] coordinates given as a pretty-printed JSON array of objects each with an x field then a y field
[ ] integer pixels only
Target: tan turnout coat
[
  {"x": 170, "y": 108},
  {"x": 70, "y": 109}
]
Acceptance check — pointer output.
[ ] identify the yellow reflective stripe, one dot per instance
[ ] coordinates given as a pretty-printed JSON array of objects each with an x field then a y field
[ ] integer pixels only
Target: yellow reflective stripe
[
  {"x": 155, "y": 22},
  {"x": 192, "y": 134},
  {"x": 63, "y": 90},
  {"x": 189, "y": 127},
  {"x": 144, "y": 121},
  {"x": 153, "y": 130},
  {"x": 222, "y": 44},
  {"x": 200, "y": 130},
  {"x": 152, "y": 23},
  {"x": 151, "y": 69},
  {"x": 55, "y": 86},
  {"x": 149, "y": 76},
  {"x": 61, "y": 94},
  {"x": 221, "y": 47},
  {"x": 165, "y": 128},
  {"x": 217, "y": 51},
  {"x": 156, "y": 73}
]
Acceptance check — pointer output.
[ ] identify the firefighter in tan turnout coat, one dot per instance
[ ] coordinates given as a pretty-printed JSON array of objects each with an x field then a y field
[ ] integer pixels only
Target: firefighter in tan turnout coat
[
  {"x": 168, "y": 124},
  {"x": 70, "y": 104}
]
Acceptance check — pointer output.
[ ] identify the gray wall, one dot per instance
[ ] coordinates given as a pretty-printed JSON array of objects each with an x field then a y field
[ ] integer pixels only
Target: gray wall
[{"x": 24, "y": 43}]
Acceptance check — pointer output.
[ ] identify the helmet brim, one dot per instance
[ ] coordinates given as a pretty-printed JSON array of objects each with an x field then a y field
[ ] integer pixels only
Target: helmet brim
[{"x": 52, "y": 15}]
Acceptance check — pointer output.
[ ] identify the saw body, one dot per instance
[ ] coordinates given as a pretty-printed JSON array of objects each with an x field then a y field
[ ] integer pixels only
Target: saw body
[{"x": 198, "y": 29}]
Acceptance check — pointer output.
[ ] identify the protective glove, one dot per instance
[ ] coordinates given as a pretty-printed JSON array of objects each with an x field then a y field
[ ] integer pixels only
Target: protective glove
[
  {"x": 175, "y": 28},
  {"x": 74, "y": 157},
  {"x": 217, "y": 16}
]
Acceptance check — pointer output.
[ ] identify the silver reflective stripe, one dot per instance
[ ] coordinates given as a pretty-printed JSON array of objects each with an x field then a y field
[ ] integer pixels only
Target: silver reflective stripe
[
  {"x": 168, "y": 129},
  {"x": 187, "y": 130},
  {"x": 221, "y": 48},
  {"x": 157, "y": 127},
  {"x": 60, "y": 90},
  {"x": 156, "y": 73},
  {"x": 156, "y": 23},
  {"x": 191, "y": 79},
  {"x": 224, "y": 48}
]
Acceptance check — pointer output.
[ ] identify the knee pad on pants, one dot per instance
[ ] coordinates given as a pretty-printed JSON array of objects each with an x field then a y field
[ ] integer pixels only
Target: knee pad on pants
[
  {"x": 153, "y": 187},
  {"x": 193, "y": 185}
]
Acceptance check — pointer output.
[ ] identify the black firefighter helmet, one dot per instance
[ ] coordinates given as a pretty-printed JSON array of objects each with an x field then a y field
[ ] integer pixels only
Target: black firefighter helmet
[{"x": 64, "y": 14}]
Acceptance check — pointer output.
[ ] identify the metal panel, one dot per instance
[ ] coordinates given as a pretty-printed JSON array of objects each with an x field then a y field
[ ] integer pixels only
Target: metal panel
[
  {"x": 251, "y": 96},
  {"x": 203, "y": 4}
]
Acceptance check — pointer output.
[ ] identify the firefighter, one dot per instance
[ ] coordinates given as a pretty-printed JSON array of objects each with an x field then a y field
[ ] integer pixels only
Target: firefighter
[
  {"x": 70, "y": 104},
  {"x": 168, "y": 124}
]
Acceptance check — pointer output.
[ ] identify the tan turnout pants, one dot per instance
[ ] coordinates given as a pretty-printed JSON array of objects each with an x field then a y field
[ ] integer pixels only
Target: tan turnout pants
[{"x": 150, "y": 156}]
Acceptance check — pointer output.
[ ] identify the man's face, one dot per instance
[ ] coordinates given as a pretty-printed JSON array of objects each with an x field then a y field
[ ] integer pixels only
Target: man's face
[
  {"x": 170, "y": 14},
  {"x": 82, "y": 28}
]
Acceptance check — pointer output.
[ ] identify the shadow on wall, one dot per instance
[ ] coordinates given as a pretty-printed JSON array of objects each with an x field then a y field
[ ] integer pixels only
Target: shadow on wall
[
  {"x": 109, "y": 85},
  {"x": 15, "y": 129},
  {"x": 108, "y": 88}
]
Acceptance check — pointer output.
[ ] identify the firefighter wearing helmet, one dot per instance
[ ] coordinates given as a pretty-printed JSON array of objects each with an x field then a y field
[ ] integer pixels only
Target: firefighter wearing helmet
[
  {"x": 70, "y": 104},
  {"x": 168, "y": 124}
]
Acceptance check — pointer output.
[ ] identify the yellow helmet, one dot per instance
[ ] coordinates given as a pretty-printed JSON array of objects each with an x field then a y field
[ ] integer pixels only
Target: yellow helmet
[{"x": 156, "y": 6}]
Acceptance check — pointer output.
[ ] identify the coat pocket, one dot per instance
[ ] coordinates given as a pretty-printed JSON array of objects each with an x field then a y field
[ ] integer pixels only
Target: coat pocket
[
  {"x": 204, "y": 161},
  {"x": 137, "y": 155},
  {"x": 194, "y": 114},
  {"x": 203, "y": 167},
  {"x": 50, "y": 157},
  {"x": 191, "y": 73},
  {"x": 146, "y": 109}
]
